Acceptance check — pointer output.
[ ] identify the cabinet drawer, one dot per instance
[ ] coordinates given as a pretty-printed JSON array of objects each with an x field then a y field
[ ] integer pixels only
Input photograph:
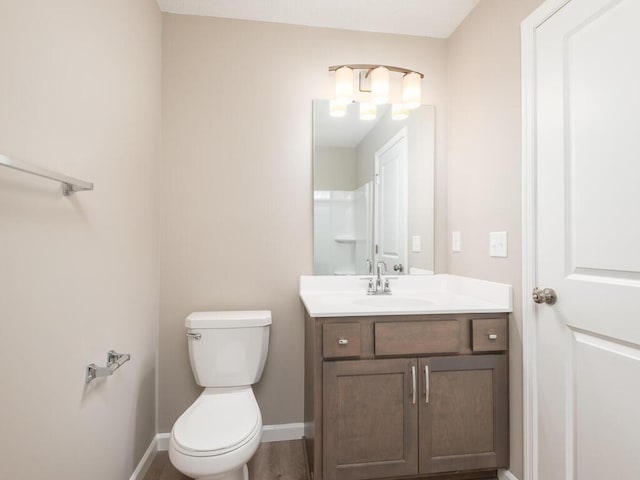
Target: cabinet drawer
[
  {"x": 341, "y": 340},
  {"x": 489, "y": 335},
  {"x": 415, "y": 338}
]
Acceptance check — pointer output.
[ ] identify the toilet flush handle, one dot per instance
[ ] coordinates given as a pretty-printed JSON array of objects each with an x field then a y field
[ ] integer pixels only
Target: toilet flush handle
[{"x": 195, "y": 336}]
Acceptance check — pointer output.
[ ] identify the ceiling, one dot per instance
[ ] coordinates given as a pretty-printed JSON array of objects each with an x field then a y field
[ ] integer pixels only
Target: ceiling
[{"x": 426, "y": 18}]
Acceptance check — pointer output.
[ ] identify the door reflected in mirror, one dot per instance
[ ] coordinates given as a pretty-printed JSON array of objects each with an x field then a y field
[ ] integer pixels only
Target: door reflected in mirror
[{"x": 373, "y": 191}]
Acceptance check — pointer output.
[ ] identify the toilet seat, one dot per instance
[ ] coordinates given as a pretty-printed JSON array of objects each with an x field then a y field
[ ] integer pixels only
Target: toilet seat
[{"x": 218, "y": 422}]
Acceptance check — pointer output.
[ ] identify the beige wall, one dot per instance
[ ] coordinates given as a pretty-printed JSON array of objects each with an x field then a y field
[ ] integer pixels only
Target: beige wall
[
  {"x": 237, "y": 181},
  {"x": 483, "y": 161},
  {"x": 79, "y": 93},
  {"x": 334, "y": 168}
]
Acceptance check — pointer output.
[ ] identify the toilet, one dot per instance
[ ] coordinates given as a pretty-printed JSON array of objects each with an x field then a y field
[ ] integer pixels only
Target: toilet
[{"x": 219, "y": 433}]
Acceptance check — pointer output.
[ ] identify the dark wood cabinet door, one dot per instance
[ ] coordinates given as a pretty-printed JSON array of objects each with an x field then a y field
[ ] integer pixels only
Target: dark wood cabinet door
[
  {"x": 464, "y": 413},
  {"x": 370, "y": 422}
]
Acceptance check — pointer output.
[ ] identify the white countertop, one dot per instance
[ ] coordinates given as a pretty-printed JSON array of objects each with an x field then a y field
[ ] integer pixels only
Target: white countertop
[{"x": 346, "y": 296}]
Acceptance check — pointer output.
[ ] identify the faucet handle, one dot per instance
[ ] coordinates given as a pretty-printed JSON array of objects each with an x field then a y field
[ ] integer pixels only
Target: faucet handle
[
  {"x": 371, "y": 289},
  {"x": 387, "y": 287}
]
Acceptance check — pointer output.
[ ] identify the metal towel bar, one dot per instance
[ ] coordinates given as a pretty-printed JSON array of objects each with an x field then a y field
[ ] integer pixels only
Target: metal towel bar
[
  {"x": 69, "y": 184},
  {"x": 114, "y": 361}
]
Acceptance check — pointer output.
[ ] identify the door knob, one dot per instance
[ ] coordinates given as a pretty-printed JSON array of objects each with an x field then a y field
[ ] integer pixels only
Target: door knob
[
  {"x": 548, "y": 296},
  {"x": 398, "y": 268}
]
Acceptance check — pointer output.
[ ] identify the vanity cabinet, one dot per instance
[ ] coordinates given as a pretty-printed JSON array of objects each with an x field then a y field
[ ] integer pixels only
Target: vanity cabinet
[
  {"x": 370, "y": 423},
  {"x": 464, "y": 413},
  {"x": 406, "y": 396}
]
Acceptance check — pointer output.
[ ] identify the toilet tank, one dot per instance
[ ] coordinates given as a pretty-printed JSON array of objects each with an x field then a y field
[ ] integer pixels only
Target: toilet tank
[{"x": 228, "y": 349}]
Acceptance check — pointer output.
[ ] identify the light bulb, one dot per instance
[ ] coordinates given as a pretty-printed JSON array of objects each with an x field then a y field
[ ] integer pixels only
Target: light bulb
[
  {"x": 399, "y": 111},
  {"x": 412, "y": 90},
  {"x": 380, "y": 85},
  {"x": 337, "y": 109},
  {"x": 344, "y": 85},
  {"x": 367, "y": 111}
]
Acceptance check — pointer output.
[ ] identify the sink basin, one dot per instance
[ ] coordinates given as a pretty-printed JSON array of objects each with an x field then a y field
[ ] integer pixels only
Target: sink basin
[{"x": 393, "y": 302}]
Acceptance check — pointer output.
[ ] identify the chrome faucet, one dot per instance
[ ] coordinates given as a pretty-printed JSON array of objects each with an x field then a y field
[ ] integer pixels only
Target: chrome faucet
[
  {"x": 381, "y": 287},
  {"x": 378, "y": 285},
  {"x": 370, "y": 288},
  {"x": 379, "y": 266}
]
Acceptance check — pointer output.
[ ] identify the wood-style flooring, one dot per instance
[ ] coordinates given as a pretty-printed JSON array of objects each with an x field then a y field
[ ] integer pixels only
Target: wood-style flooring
[{"x": 272, "y": 461}]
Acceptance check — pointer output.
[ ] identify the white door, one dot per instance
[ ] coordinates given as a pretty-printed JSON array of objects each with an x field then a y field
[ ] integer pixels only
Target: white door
[
  {"x": 390, "y": 220},
  {"x": 587, "y": 176}
]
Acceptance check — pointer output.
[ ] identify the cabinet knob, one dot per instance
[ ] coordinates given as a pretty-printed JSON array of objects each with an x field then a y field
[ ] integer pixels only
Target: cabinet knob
[
  {"x": 343, "y": 341},
  {"x": 493, "y": 336}
]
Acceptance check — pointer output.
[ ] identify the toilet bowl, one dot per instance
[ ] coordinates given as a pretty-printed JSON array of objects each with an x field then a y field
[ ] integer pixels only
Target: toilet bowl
[
  {"x": 217, "y": 435},
  {"x": 220, "y": 432}
]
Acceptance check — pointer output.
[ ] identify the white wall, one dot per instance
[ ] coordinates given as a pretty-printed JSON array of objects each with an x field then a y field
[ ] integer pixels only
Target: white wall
[
  {"x": 237, "y": 181},
  {"x": 79, "y": 93},
  {"x": 483, "y": 161},
  {"x": 334, "y": 232}
]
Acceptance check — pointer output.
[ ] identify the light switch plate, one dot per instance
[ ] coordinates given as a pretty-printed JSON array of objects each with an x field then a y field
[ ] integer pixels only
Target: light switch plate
[
  {"x": 416, "y": 246},
  {"x": 498, "y": 246},
  {"x": 455, "y": 242}
]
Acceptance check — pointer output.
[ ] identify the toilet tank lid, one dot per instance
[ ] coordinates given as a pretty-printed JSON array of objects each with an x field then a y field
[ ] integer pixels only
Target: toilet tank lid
[{"x": 229, "y": 319}]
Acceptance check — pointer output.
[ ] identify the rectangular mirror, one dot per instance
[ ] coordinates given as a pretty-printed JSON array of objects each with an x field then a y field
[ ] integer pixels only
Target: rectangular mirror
[{"x": 373, "y": 191}]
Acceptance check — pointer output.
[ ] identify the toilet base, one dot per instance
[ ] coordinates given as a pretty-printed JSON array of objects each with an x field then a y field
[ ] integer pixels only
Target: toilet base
[
  {"x": 225, "y": 464},
  {"x": 241, "y": 473}
]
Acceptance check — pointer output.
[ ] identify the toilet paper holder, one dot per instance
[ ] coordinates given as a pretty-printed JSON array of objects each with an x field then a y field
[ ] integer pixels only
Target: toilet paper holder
[{"x": 114, "y": 361}]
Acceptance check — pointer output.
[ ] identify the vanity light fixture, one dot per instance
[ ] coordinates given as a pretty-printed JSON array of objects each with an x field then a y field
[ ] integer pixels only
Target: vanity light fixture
[
  {"x": 344, "y": 85},
  {"x": 399, "y": 111},
  {"x": 337, "y": 109},
  {"x": 367, "y": 111},
  {"x": 380, "y": 85},
  {"x": 374, "y": 88},
  {"x": 412, "y": 90}
]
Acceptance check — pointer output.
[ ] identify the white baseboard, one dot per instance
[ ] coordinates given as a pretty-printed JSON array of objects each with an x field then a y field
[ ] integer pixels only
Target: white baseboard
[
  {"x": 282, "y": 432},
  {"x": 506, "y": 475},
  {"x": 145, "y": 461},
  {"x": 270, "y": 433},
  {"x": 163, "y": 441}
]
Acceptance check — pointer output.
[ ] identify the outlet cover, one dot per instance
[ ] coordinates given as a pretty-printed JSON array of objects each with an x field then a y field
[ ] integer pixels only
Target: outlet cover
[
  {"x": 455, "y": 242},
  {"x": 416, "y": 244},
  {"x": 498, "y": 244}
]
